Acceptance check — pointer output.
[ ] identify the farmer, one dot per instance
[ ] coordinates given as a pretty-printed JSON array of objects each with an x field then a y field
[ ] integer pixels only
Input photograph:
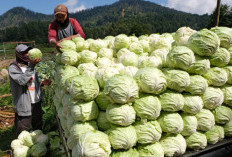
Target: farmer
[
  {"x": 63, "y": 27},
  {"x": 26, "y": 90}
]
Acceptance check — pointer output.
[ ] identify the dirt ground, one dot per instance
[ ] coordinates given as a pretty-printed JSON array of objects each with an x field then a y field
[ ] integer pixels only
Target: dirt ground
[
  {"x": 5, "y": 63},
  {"x": 6, "y": 112}
]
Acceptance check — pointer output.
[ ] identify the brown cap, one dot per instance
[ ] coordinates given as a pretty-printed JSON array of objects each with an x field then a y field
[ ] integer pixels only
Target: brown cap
[{"x": 60, "y": 9}]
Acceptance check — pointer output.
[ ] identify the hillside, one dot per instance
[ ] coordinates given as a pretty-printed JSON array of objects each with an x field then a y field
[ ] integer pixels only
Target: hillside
[
  {"x": 19, "y": 15},
  {"x": 124, "y": 16}
]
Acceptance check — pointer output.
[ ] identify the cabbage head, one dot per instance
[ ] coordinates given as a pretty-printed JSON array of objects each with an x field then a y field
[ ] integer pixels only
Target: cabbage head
[
  {"x": 96, "y": 45},
  {"x": 151, "y": 80},
  {"x": 121, "y": 89},
  {"x": 160, "y": 42},
  {"x": 93, "y": 143},
  {"x": 130, "y": 70},
  {"x": 230, "y": 51},
  {"x": 221, "y": 58},
  {"x": 102, "y": 122},
  {"x": 122, "y": 137},
  {"x": 228, "y": 129},
  {"x": 81, "y": 128},
  {"x": 26, "y": 138},
  {"x": 200, "y": 67},
  {"x": 38, "y": 149},
  {"x": 161, "y": 53},
  {"x": 68, "y": 45},
  {"x": 145, "y": 45},
  {"x": 148, "y": 132},
  {"x": 171, "y": 101},
  {"x": 149, "y": 61},
  {"x": 123, "y": 115},
  {"x": 136, "y": 47},
  {"x": 196, "y": 141},
  {"x": 16, "y": 143},
  {"x": 121, "y": 41},
  {"x": 222, "y": 114},
  {"x": 88, "y": 56},
  {"x": 212, "y": 98},
  {"x": 227, "y": 91},
  {"x": 190, "y": 124},
  {"x": 171, "y": 122},
  {"x": 177, "y": 80},
  {"x": 173, "y": 145},
  {"x": 192, "y": 104},
  {"x": 127, "y": 153},
  {"x": 69, "y": 58},
  {"x": 225, "y": 36},
  {"x": 84, "y": 111},
  {"x": 198, "y": 85},
  {"x": 215, "y": 134},
  {"x": 35, "y": 54},
  {"x": 182, "y": 35},
  {"x": 229, "y": 73},
  {"x": 21, "y": 151},
  {"x": 105, "y": 52},
  {"x": 104, "y": 62},
  {"x": 105, "y": 73},
  {"x": 154, "y": 150},
  {"x": 204, "y": 42},
  {"x": 205, "y": 120},
  {"x": 84, "y": 88},
  {"x": 87, "y": 69},
  {"x": 103, "y": 101},
  {"x": 128, "y": 59},
  {"x": 180, "y": 57},
  {"x": 147, "y": 107},
  {"x": 42, "y": 138}
]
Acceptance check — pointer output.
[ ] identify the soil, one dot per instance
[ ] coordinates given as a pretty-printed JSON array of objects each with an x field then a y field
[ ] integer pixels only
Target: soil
[{"x": 6, "y": 62}]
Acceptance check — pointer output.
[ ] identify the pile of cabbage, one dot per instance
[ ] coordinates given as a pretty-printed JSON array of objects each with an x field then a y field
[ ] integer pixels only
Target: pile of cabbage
[
  {"x": 30, "y": 144},
  {"x": 152, "y": 95}
]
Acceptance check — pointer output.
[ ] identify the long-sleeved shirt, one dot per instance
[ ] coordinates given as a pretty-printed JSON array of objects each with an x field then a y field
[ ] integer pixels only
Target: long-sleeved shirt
[
  {"x": 19, "y": 88},
  {"x": 56, "y": 32}
]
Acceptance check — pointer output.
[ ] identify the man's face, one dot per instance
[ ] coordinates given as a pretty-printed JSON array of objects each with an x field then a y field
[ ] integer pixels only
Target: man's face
[{"x": 61, "y": 17}]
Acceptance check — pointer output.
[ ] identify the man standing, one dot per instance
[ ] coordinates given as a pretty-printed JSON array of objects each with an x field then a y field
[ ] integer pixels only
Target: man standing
[{"x": 63, "y": 27}]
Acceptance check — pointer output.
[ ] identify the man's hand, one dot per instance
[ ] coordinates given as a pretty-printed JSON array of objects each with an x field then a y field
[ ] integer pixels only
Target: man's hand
[
  {"x": 35, "y": 61},
  {"x": 46, "y": 82},
  {"x": 58, "y": 46}
]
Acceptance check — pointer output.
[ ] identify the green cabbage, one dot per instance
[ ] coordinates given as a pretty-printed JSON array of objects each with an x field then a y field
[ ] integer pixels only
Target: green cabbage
[
  {"x": 68, "y": 45},
  {"x": 84, "y": 111},
  {"x": 84, "y": 87},
  {"x": 200, "y": 67},
  {"x": 192, "y": 104},
  {"x": 105, "y": 52},
  {"x": 136, "y": 47},
  {"x": 147, "y": 107},
  {"x": 122, "y": 115},
  {"x": 35, "y": 54},
  {"x": 121, "y": 41},
  {"x": 148, "y": 132},
  {"x": 171, "y": 122},
  {"x": 196, "y": 141},
  {"x": 225, "y": 36},
  {"x": 121, "y": 89},
  {"x": 130, "y": 70},
  {"x": 103, "y": 101},
  {"x": 102, "y": 122},
  {"x": 162, "y": 54},
  {"x": 38, "y": 149},
  {"x": 222, "y": 114},
  {"x": 96, "y": 45},
  {"x": 87, "y": 69},
  {"x": 204, "y": 42},
  {"x": 88, "y": 56},
  {"x": 128, "y": 153},
  {"x": 173, "y": 145},
  {"x": 198, "y": 85},
  {"x": 229, "y": 73},
  {"x": 215, "y": 134},
  {"x": 180, "y": 57},
  {"x": 151, "y": 80},
  {"x": 122, "y": 137},
  {"x": 69, "y": 58},
  {"x": 177, "y": 79},
  {"x": 228, "y": 129},
  {"x": 190, "y": 124},
  {"x": 182, "y": 35},
  {"x": 227, "y": 91},
  {"x": 149, "y": 61},
  {"x": 128, "y": 59},
  {"x": 152, "y": 150},
  {"x": 212, "y": 98},
  {"x": 221, "y": 58},
  {"x": 205, "y": 120},
  {"x": 171, "y": 101},
  {"x": 93, "y": 143}
]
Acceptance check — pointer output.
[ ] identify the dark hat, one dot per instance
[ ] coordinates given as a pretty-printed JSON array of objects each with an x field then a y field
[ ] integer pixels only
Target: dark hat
[
  {"x": 23, "y": 48},
  {"x": 60, "y": 9}
]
